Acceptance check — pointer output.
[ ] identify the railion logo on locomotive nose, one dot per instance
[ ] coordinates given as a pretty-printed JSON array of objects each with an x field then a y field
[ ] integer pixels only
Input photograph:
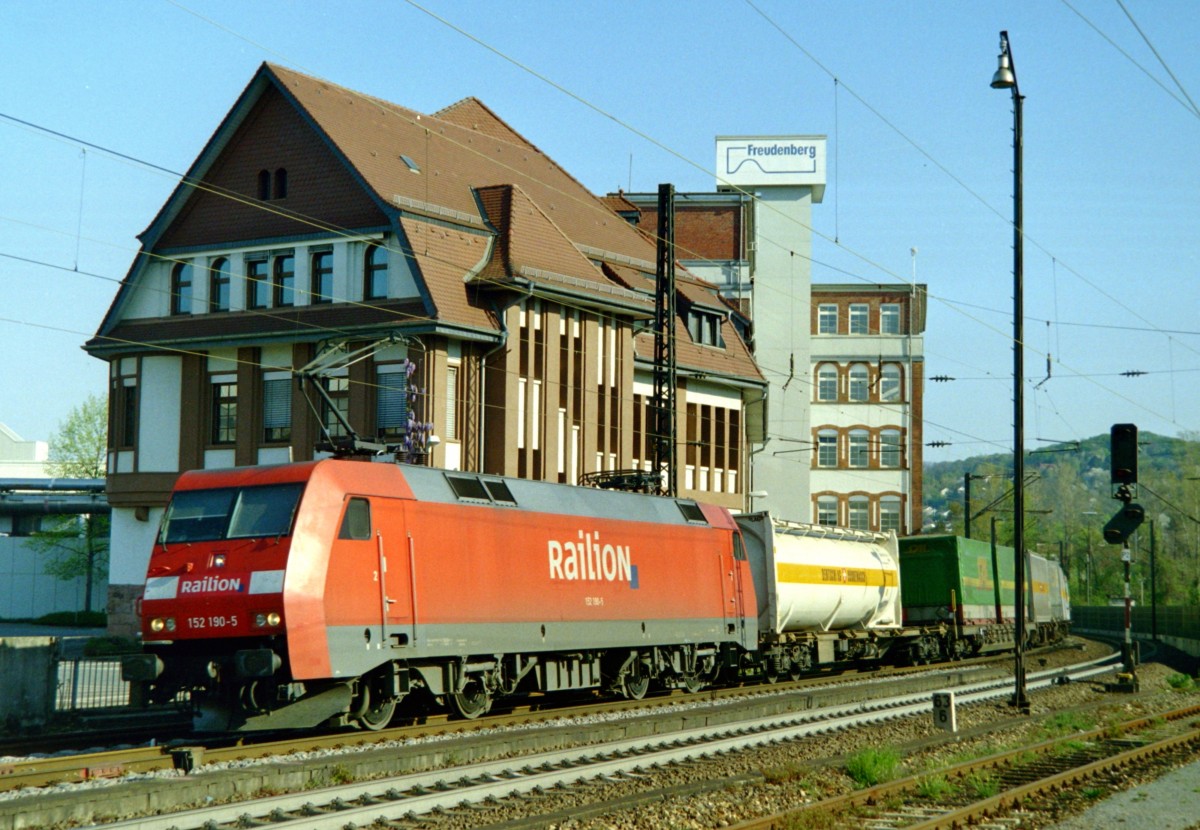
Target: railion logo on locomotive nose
[
  {"x": 211, "y": 585},
  {"x": 588, "y": 559}
]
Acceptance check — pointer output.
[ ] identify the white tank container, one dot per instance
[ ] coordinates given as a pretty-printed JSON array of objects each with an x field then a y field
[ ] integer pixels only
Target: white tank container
[{"x": 813, "y": 578}]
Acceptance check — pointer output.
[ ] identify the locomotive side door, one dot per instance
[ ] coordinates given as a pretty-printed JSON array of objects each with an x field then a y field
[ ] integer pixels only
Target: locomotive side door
[{"x": 395, "y": 570}]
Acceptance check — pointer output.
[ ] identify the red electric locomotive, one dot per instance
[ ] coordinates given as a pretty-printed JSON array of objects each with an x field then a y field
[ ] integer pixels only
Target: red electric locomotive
[{"x": 324, "y": 592}]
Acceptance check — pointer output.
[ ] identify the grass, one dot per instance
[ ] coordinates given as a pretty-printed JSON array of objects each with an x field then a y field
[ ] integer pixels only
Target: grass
[
  {"x": 1064, "y": 723},
  {"x": 873, "y": 766},
  {"x": 983, "y": 784},
  {"x": 935, "y": 787}
]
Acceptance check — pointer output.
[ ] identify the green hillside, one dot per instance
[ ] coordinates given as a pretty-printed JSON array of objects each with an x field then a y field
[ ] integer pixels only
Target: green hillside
[{"x": 1068, "y": 500}]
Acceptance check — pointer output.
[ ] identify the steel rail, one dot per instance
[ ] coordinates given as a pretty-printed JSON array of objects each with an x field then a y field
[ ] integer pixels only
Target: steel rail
[{"x": 964, "y": 816}]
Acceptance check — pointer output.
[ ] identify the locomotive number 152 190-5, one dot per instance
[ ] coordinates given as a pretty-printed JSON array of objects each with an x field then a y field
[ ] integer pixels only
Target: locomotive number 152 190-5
[{"x": 213, "y": 622}]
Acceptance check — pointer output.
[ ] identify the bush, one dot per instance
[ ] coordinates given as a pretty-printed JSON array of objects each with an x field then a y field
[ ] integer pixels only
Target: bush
[
  {"x": 75, "y": 619},
  {"x": 1180, "y": 682},
  {"x": 109, "y": 646}
]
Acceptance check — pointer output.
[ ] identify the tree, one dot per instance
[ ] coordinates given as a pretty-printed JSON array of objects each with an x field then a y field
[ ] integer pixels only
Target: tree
[{"x": 78, "y": 545}]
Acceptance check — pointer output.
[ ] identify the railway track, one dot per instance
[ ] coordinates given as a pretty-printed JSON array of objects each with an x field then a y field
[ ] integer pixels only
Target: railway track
[
  {"x": 977, "y": 791},
  {"x": 183, "y": 752},
  {"x": 391, "y": 801}
]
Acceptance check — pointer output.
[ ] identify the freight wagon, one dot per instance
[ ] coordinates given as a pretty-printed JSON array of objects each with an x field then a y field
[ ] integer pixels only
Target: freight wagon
[{"x": 969, "y": 586}]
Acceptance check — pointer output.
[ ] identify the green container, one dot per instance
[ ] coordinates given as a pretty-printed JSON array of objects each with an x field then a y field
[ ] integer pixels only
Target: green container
[{"x": 943, "y": 578}]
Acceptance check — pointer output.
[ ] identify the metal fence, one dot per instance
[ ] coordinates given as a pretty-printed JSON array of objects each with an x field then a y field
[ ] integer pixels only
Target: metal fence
[
  {"x": 1170, "y": 621},
  {"x": 90, "y": 683}
]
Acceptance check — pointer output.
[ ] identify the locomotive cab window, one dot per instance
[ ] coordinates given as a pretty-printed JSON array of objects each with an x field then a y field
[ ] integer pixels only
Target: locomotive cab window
[
  {"x": 230, "y": 513},
  {"x": 692, "y": 512},
  {"x": 356, "y": 524}
]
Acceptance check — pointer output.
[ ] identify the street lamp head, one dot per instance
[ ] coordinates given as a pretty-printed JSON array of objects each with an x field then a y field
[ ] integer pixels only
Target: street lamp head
[{"x": 1004, "y": 78}]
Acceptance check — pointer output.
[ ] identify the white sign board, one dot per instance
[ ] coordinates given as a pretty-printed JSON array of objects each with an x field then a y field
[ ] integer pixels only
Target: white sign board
[
  {"x": 944, "y": 714},
  {"x": 758, "y": 161}
]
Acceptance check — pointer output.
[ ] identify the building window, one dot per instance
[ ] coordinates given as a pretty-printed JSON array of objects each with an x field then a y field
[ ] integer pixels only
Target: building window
[
  {"x": 859, "y": 382},
  {"x": 705, "y": 329},
  {"x": 391, "y": 400},
  {"x": 224, "y": 411},
  {"x": 126, "y": 415},
  {"x": 827, "y": 448},
  {"x": 859, "y": 315},
  {"x": 322, "y": 277},
  {"x": 827, "y": 315},
  {"x": 277, "y": 408},
  {"x": 284, "y": 280},
  {"x": 451, "y": 433},
  {"x": 827, "y": 510},
  {"x": 860, "y": 513},
  {"x": 889, "y": 514},
  {"x": 827, "y": 383},
  {"x": 258, "y": 287},
  {"x": 281, "y": 184},
  {"x": 218, "y": 285},
  {"x": 889, "y": 382},
  {"x": 375, "y": 264},
  {"x": 264, "y": 185},
  {"x": 889, "y": 318},
  {"x": 338, "y": 390},
  {"x": 859, "y": 448},
  {"x": 890, "y": 450},
  {"x": 181, "y": 288}
]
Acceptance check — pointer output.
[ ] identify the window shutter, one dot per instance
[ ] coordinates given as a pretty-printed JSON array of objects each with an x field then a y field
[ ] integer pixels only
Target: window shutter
[
  {"x": 277, "y": 403},
  {"x": 391, "y": 410}
]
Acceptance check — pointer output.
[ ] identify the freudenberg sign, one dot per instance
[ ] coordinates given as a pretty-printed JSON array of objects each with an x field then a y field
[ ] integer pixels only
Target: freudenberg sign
[{"x": 756, "y": 161}]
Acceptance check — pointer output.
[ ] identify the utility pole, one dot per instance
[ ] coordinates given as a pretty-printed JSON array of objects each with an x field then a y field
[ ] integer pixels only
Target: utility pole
[{"x": 665, "y": 376}]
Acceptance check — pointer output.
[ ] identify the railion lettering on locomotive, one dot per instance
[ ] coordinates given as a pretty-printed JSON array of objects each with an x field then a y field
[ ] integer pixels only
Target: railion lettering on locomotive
[
  {"x": 211, "y": 585},
  {"x": 589, "y": 560}
]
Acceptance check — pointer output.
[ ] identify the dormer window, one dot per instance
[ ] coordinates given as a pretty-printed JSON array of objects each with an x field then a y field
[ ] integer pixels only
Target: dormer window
[
  {"x": 264, "y": 185},
  {"x": 705, "y": 328},
  {"x": 281, "y": 184}
]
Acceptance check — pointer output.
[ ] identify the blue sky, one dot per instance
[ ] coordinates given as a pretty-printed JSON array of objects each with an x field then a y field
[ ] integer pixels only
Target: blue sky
[{"x": 633, "y": 94}]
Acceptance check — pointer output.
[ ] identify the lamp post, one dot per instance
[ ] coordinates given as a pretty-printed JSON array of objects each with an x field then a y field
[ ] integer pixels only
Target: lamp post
[{"x": 1006, "y": 78}]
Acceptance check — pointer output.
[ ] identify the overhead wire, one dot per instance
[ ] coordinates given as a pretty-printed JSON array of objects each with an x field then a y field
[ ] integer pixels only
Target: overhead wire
[{"x": 481, "y": 43}]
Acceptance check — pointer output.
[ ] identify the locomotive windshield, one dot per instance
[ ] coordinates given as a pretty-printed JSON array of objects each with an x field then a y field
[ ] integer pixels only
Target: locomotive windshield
[{"x": 230, "y": 513}]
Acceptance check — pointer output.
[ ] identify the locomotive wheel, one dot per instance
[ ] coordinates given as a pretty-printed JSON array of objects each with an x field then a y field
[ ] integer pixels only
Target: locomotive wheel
[
  {"x": 693, "y": 683},
  {"x": 635, "y": 688},
  {"x": 472, "y": 701},
  {"x": 377, "y": 717}
]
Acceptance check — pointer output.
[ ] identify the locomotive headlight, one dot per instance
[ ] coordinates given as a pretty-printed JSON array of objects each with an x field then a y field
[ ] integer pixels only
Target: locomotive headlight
[
  {"x": 265, "y": 619},
  {"x": 157, "y": 624},
  {"x": 170, "y": 623}
]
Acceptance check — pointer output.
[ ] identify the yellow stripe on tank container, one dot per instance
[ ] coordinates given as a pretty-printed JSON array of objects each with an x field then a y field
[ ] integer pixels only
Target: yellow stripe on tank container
[{"x": 817, "y": 575}]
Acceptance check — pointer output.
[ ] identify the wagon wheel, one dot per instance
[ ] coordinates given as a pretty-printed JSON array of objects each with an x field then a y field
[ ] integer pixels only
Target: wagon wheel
[{"x": 472, "y": 701}]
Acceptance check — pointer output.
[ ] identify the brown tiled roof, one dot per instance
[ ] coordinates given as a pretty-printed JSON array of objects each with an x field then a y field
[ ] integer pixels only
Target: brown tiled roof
[
  {"x": 444, "y": 255},
  {"x": 454, "y": 160},
  {"x": 529, "y": 246}
]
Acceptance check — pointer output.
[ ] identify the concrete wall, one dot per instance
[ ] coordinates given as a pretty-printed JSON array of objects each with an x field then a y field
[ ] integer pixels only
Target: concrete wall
[
  {"x": 28, "y": 592},
  {"x": 29, "y": 669}
]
